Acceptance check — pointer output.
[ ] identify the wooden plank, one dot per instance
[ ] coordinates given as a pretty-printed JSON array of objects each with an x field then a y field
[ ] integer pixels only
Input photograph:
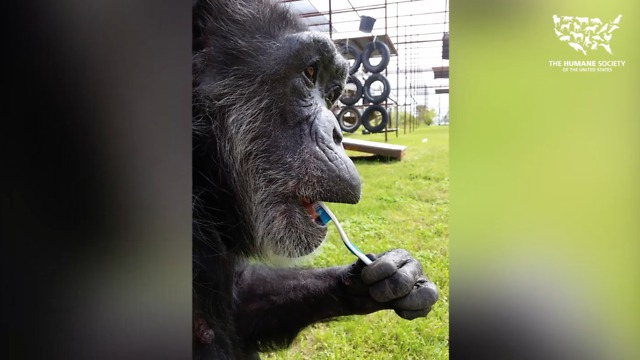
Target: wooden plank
[
  {"x": 394, "y": 151},
  {"x": 366, "y": 132}
]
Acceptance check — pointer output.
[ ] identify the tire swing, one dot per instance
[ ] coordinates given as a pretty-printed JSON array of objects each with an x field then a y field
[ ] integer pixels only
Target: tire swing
[
  {"x": 376, "y": 99},
  {"x": 372, "y": 122},
  {"x": 384, "y": 54},
  {"x": 349, "y": 119},
  {"x": 350, "y": 96},
  {"x": 357, "y": 58}
]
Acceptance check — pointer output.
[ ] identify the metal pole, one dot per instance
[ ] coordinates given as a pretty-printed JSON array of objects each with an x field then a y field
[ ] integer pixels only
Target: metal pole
[
  {"x": 406, "y": 59},
  {"x": 397, "y": 72},
  {"x": 330, "y": 22},
  {"x": 412, "y": 120},
  {"x": 386, "y": 130}
]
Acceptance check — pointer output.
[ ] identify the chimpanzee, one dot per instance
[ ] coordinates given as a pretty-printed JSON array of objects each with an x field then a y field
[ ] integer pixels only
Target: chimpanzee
[{"x": 266, "y": 148}]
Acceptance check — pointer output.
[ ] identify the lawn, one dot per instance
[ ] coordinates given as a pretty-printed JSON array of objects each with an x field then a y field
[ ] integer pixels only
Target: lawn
[{"x": 404, "y": 204}]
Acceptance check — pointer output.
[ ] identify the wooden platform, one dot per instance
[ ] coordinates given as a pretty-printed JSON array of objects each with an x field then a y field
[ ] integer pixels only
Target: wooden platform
[
  {"x": 366, "y": 132},
  {"x": 394, "y": 151}
]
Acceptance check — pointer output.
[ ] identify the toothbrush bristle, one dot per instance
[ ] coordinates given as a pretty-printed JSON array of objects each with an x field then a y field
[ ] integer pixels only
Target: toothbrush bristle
[{"x": 322, "y": 216}]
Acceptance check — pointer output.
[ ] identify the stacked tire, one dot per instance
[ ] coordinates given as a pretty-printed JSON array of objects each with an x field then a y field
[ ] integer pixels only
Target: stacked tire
[
  {"x": 375, "y": 117},
  {"x": 349, "y": 119}
]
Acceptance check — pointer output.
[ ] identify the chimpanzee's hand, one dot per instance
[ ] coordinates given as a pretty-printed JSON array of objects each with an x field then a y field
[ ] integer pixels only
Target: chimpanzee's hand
[{"x": 394, "y": 280}]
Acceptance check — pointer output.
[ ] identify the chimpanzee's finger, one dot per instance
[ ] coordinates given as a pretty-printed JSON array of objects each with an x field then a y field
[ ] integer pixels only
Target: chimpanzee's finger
[
  {"x": 359, "y": 265},
  {"x": 422, "y": 296},
  {"x": 385, "y": 266},
  {"x": 398, "y": 284},
  {"x": 413, "y": 314},
  {"x": 353, "y": 280}
]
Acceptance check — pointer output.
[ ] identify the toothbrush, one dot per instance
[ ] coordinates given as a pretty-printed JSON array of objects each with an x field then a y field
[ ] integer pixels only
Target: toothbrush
[{"x": 324, "y": 215}]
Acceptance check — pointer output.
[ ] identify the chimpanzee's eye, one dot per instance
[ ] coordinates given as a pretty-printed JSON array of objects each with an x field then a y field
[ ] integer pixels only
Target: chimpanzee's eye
[{"x": 311, "y": 73}]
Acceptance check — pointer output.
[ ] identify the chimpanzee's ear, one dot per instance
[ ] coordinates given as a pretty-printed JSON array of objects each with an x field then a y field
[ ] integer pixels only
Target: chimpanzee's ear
[{"x": 201, "y": 16}]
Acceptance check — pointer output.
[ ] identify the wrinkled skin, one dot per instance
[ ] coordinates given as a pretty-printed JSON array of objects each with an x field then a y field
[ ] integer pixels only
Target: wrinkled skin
[
  {"x": 265, "y": 147},
  {"x": 395, "y": 281}
]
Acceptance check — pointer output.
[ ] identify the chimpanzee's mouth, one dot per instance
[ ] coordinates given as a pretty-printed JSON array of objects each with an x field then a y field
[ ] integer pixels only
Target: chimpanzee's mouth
[{"x": 310, "y": 208}]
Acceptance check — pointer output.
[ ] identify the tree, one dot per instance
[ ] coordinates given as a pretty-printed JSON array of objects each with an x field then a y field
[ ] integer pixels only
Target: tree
[
  {"x": 404, "y": 117},
  {"x": 425, "y": 115}
]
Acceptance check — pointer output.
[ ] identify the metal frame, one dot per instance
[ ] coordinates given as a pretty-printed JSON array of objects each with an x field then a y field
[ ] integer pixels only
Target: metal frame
[{"x": 408, "y": 41}]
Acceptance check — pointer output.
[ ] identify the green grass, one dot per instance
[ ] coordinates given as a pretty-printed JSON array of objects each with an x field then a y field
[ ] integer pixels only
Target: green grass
[{"x": 404, "y": 205}]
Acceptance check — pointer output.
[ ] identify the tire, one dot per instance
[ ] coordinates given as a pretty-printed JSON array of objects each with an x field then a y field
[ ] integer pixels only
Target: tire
[
  {"x": 368, "y": 51},
  {"x": 345, "y": 124},
  {"x": 350, "y": 100},
  {"x": 348, "y": 49},
  {"x": 367, "y": 89},
  {"x": 367, "y": 118}
]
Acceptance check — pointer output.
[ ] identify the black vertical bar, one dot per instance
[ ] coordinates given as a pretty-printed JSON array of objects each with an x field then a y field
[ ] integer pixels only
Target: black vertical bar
[
  {"x": 386, "y": 105},
  {"x": 330, "y": 22},
  {"x": 397, "y": 71}
]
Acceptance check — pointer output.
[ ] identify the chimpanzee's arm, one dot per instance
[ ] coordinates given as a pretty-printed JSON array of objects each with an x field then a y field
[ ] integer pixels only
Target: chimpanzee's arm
[{"x": 273, "y": 305}]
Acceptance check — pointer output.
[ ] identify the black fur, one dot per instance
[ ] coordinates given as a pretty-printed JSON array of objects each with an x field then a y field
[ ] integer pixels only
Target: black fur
[{"x": 264, "y": 145}]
